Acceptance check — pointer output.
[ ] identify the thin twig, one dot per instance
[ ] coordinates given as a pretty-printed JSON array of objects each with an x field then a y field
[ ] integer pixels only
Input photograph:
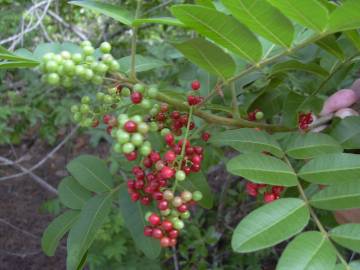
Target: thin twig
[{"x": 175, "y": 259}]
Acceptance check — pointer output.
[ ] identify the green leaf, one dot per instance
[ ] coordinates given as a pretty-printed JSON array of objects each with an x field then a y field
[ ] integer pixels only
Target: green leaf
[
  {"x": 345, "y": 17},
  {"x": 205, "y": 3},
  {"x": 72, "y": 194},
  {"x": 56, "y": 230},
  {"x": 134, "y": 217},
  {"x": 83, "y": 261},
  {"x": 262, "y": 18},
  {"x": 270, "y": 224},
  {"x": 115, "y": 12},
  {"x": 83, "y": 232},
  {"x": 330, "y": 45},
  {"x": 293, "y": 65},
  {"x": 347, "y": 132},
  {"x": 347, "y": 235},
  {"x": 309, "y": 250},
  {"x": 309, "y": 13},
  {"x": 221, "y": 29},
  {"x": 208, "y": 56},
  {"x": 91, "y": 172},
  {"x": 18, "y": 64},
  {"x": 142, "y": 63},
  {"x": 338, "y": 197},
  {"x": 354, "y": 37},
  {"x": 262, "y": 169},
  {"x": 159, "y": 20},
  {"x": 198, "y": 181},
  {"x": 248, "y": 140},
  {"x": 309, "y": 145},
  {"x": 332, "y": 169}
]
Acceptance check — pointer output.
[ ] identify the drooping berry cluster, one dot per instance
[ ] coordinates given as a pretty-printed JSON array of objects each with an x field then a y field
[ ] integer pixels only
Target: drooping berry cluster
[
  {"x": 194, "y": 99},
  {"x": 270, "y": 193},
  {"x": 255, "y": 115},
  {"x": 65, "y": 68},
  {"x": 305, "y": 119}
]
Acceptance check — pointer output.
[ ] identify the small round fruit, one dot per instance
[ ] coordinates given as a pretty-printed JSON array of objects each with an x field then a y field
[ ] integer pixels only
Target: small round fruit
[
  {"x": 88, "y": 50},
  {"x": 128, "y": 148},
  {"x": 157, "y": 233},
  {"x": 145, "y": 150},
  {"x": 74, "y": 108},
  {"x": 65, "y": 55},
  {"x": 125, "y": 92},
  {"x": 84, "y": 108},
  {"x": 137, "y": 119},
  {"x": 85, "y": 100},
  {"x": 122, "y": 136},
  {"x": 168, "y": 195},
  {"x": 148, "y": 231},
  {"x": 97, "y": 80},
  {"x": 130, "y": 126},
  {"x": 85, "y": 43},
  {"x": 117, "y": 148},
  {"x": 195, "y": 85},
  {"x": 186, "y": 196},
  {"x": 51, "y": 66},
  {"x": 53, "y": 79},
  {"x": 177, "y": 201},
  {"x": 143, "y": 128},
  {"x": 77, "y": 58},
  {"x": 259, "y": 115},
  {"x": 165, "y": 212},
  {"x": 80, "y": 70},
  {"x": 178, "y": 224},
  {"x": 136, "y": 97},
  {"x": 88, "y": 74},
  {"x": 165, "y": 242},
  {"x": 139, "y": 88},
  {"x": 105, "y": 47},
  {"x": 107, "y": 58},
  {"x": 185, "y": 215},
  {"x": 197, "y": 196},
  {"x": 163, "y": 205},
  {"x": 152, "y": 92},
  {"x": 154, "y": 219},
  {"x": 145, "y": 103},
  {"x": 180, "y": 175},
  {"x": 114, "y": 65},
  {"x": 101, "y": 68},
  {"x": 137, "y": 139}
]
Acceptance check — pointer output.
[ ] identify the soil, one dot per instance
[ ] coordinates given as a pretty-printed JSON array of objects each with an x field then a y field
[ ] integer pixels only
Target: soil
[{"x": 21, "y": 222}]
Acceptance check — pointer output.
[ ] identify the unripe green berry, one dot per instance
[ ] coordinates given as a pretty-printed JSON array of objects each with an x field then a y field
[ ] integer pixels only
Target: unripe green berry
[
  {"x": 53, "y": 79},
  {"x": 153, "y": 127},
  {"x": 185, "y": 215},
  {"x": 85, "y": 43},
  {"x": 122, "y": 136},
  {"x": 74, "y": 108},
  {"x": 105, "y": 47},
  {"x": 197, "y": 196},
  {"x": 101, "y": 68},
  {"x": 88, "y": 50},
  {"x": 165, "y": 212},
  {"x": 147, "y": 215},
  {"x": 65, "y": 55},
  {"x": 77, "y": 58},
  {"x": 107, "y": 59},
  {"x": 139, "y": 88},
  {"x": 89, "y": 74},
  {"x": 143, "y": 128},
  {"x": 97, "y": 80},
  {"x": 48, "y": 56},
  {"x": 186, "y": 196},
  {"x": 58, "y": 59},
  {"x": 152, "y": 92},
  {"x": 100, "y": 96},
  {"x": 112, "y": 91},
  {"x": 137, "y": 139},
  {"x": 84, "y": 108},
  {"x": 69, "y": 67},
  {"x": 80, "y": 70},
  {"x": 87, "y": 122},
  {"x": 114, "y": 65},
  {"x": 117, "y": 148},
  {"x": 178, "y": 224},
  {"x": 174, "y": 218},
  {"x": 259, "y": 115},
  {"x": 146, "y": 104},
  {"x": 125, "y": 92},
  {"x": 145, "y": 150},
  {"x": 89, "y": 59},
  {"x": 85, "y": 100},
  {"x": 137, "y": 119},
  {"x": 128, "y": 148},
  {"x": 108, "y": 99},
  {"x": 67, "y": 82},
  {"x": 180, "y": 175},
  {"x": 165, "y": 131},
  {"x": 77, "y": 116},
  {"x": 51, "y": 66}
]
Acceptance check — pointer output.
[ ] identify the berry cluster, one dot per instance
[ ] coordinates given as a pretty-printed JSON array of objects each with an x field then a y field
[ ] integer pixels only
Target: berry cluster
[
  {"x": 173, "y": 212},
  {"x": 65, "y": 68},
  {"x": 193, "y": 99},
  {"x": 305, "y": 119},
  {"x": 255, "y": 115},
  {"x": 270, "y": 193}
]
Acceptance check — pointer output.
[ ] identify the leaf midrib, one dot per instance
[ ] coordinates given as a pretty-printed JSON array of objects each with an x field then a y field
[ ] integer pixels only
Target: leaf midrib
[{"x": 98, "y": 179}]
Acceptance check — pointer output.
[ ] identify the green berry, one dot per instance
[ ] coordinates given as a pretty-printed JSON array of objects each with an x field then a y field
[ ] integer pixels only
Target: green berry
[
  {"x": 178, "y": 224},
  {"x": 112, "y": 91},
  {"x": 165, "y": 212},
  {"x": 147, "y": 215},
  {"x": 165, "y": 131},
  {"x": 65, "y": 55},
  {"x": 67, "y": 82},
  {"x": 153, "y": 127},
  {"x": 84, "y": 108},
  {"x": 122, "y": 136},
  {"x": 146, "y": 104},
  {"x": 197, "y": 196},
  {"x": 137, "y": 139},
  {"x": 145, "y": 150},
  {"x": 107, "y": 59},
  {"x": 77, "y": 116},
  {"x": 48, "y": 56},
  {"x": 51, "y": 66},
  {"x": 128, "y": 148},
  {"x": 108, "y": 99},
  {"x": 100, "y": 96},
  {"x": 117, "y": 148},
  {"x": 69, "y": 67},
  {"x": 185, "y": 215},
  {"x": 85, "y": 43},
  {"x": 139, "y": 88},
  {"x": 105, "y": 47},
  {"x": 180, "y": 175},
  {"x": 77, "y": 58},
  {"x": 89, "y": 59},
  {"x": 114, "y": 66},
  {"x": 101, "y": 68},
  {"x": 152, "y": 92},
  {"x": 89, "y": 74},
  {"x": 87, "y": 122},
  {"x": 58, "y": 58},
  {"x": 125, "y": 92},
  {"x": 85, "y": 100},
  {"x": 80, "y": 70},
  {"x": 137, "y": 119},
  {"x": 259, "y": 115},
  {"x": 88, "y": 50},
  {"x": 143, "y": 128},
  {"x": 53, "y": 79},
  {"x": 74, "y": 108},
  {"x": 97, "y": 80},
  {"x": 186, "y": 195}
]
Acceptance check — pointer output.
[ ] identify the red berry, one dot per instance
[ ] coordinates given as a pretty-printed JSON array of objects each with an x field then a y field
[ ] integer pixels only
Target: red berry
[
  {"x": 161, "y": 117},
  {"x": 157, "y": 233},
  {"x": 173, "y": 233},
  {"x": 136, "y": 97},
  {"x": 196, "y": 159},
  {"x": 157, "y": 195},
  {"x": 184, "y": 119},
  {"x": 154, "y": 219},
  {"x": 175, "y": 115},
  {"x": 182, "y": 208},
  {"x": 169, "y": 139},
  {"x": 191, "y": 100},
  {"x": 109, "y": 129},
  {"x": 198, "y": 150},
  {"x": 154, "y": 156},
  {"x": 269, "y": 197},
  {"x": 148, "y": 231},
  {"x": 167, "y": 225},
  {"x": 170, "y": 156},
  {"x": 167, "y": 172},
  {"x": 205, "y": 136},
  {"x": 177, "y": 149},
  {"x": 164, "y": 107},
  {"x": 195, "y": 167},
  {"x": 192, "y": 125},
  {"x": 131, "y": 156},
  {"x": 106, "y": 118},
  {"x": 165, "y": 242},
  {"x": 172, "y": 242},
  {"x": 147, "y": 162},
  {"x": 145, "y": 200},
  {"x": 130, "y": 126},
  {"x": 195, "y": 85},
  {"x": 187, "y": 170},
  {"x": 139, "y": 184},
  {"x": 163, "y": 205},
  {"x": 135, "y": 196},
  {"x": 131, "y": 184},
  {"x": 277, "y": 189}
]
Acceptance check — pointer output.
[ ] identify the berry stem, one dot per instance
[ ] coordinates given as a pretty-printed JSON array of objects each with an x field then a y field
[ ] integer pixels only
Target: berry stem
[
  {"x": 183, "y": 147},
  {"x": 234, "y": 101},
  {"x": 134, "y": 42},
  {"x": 317, "y": 220}
]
